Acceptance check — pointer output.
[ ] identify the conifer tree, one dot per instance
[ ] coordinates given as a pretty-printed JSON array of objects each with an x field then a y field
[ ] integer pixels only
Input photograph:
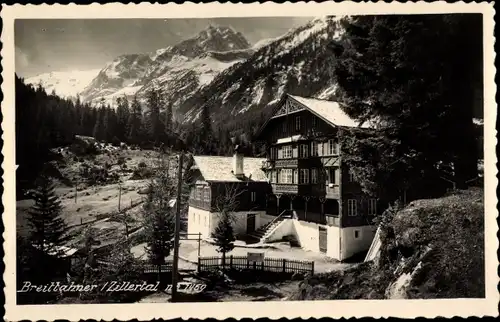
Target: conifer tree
[
  {"x": 156, "y": 129},
  {"x": 99, "y": 129},
  {"x": 224, "y": 235},
  {"x": 48, "y": 228},
  {"x": 169, "y": 128},
  {"x": 225, "y": 205},
  {"x": 419, "y": 95},
  {"x": 135, "y": 122},
  {"x": 122, "y": 115},
  {"x": 159, "y": 216}
]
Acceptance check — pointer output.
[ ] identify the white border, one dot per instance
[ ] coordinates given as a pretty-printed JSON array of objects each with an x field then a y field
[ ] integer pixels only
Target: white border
[{"x": 272, "y": 310}]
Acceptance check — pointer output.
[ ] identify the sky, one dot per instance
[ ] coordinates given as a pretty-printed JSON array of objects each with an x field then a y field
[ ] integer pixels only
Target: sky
[{"x": 46, "y": 45}]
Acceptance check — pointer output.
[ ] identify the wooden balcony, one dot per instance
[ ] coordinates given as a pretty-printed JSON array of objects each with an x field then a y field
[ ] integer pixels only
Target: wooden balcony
[
  {"x": 299, "y": 189},
  {"x": 286, "y": 163}
]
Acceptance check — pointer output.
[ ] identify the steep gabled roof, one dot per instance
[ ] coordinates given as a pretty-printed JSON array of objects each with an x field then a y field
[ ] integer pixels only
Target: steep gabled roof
[
  {"x": 219, "y": 169},
  {"x": 330, "y": 111}
]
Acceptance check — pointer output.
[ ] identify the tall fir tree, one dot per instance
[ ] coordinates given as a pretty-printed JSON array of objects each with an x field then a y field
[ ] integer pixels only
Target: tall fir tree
[
  {"x": 206, "y": 132},
  {"x": 414, "y": 92},
  {"x": 169, "y": 126},
  {"x": 99, "y": 132},
  {"x": 135, "y": 122},
  {"x": 122, "y": 116},
  {"x": 48, "y": 228},
  {"x": 159, "y": 216},
  {"x": 156, "y": 129}
]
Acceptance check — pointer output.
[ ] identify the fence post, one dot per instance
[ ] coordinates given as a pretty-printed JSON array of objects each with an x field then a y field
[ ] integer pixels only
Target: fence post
[
  {"x": 199, "y": 244},
  {"x": 231, "y": 262},
  {"x": 284, "y": 265},
  {"x": 199, "y": 264}
]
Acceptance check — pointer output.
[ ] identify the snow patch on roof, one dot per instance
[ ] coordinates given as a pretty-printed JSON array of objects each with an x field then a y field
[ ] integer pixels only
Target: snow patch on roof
[
  {"x": 328, "y": 110},
  {"x": 215, "y": 168}
]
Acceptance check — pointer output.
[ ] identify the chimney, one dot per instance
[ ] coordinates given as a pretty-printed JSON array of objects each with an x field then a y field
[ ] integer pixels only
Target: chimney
[{"x": 238, "y": 163}]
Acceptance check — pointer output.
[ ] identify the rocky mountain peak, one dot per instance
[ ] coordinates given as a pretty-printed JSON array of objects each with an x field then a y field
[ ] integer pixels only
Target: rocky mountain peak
[{"x": 212, "y": 38}]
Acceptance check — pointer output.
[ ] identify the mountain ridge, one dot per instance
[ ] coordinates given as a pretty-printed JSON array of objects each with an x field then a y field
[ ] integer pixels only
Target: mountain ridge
[{"x": 182, "y": 68}]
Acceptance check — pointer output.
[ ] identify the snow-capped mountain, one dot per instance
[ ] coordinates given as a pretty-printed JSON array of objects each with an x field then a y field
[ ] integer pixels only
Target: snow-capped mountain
[
  {"x": 298, "y": 62},
  {"x": 179, "y": 70},
  {"x": 65, "y": 84}
]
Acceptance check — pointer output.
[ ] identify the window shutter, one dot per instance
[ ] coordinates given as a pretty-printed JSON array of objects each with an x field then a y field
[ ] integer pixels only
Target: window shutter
[
  {"x": 295, "y": 176},
  {"x": 295, "y": 152}
]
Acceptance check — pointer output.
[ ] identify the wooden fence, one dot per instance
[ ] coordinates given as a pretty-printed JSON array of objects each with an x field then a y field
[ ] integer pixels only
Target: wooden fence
[
  {"x": 269, "y": 264},
  {"x": 165, "y": 268}
]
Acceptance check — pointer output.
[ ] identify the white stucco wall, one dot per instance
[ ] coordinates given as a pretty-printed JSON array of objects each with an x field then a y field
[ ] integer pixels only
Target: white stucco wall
[
  {"x": 284, "y": 229},
  {"x": 203, "y": 221},
  {"x": 307, "y": 234},
  {"x": 333, "y": 239},
  {"x": 352, "y": 245},
  {"x": 198, "y": 222}
]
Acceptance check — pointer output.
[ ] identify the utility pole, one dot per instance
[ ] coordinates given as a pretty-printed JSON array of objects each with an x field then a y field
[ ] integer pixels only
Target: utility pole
[
  {"x": 76, "y": 190},
  {"x": 119, "y": 195},
  {"x": 175, "y": 266}
]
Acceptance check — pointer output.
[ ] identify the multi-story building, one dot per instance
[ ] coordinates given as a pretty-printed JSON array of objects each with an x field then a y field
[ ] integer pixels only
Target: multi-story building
[
  {"x": 308, "y": 178},
  {"x": 302, "y": 189},
  {"x": 236, "y": 183}
]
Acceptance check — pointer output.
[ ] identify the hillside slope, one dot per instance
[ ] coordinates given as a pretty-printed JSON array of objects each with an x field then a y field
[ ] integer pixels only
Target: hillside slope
[
  {"x": 432, "y": 249},
  {"x": 298, "y": 62},
  {"x": 179, "y": 70}
]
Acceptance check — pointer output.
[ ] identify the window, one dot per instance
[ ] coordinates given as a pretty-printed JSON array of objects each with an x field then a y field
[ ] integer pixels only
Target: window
[
  {"x": 304, "y": 176},
  {"x": 314, "y": 175},
  {"x": 198, "y": 193},
  {"x": 286, "y": 176},
  {"x": 351, "y": 176},
  {"x": 287, "y": 152},
  {"x": 207, "y": 194},
  {"x": 321, "y": 149},
  {"x": 372, "y": 206},
  {"x": 352, "y": 207},
  {"x": 314, "y": 149},
  {"x": 205, "y": 221},
  {"x": 357, "y": 234},
  {"x": 332, "y": 147},
  {"x": 253, "y": 196},
  {"x": 303, "y": 151},
  {"x": 332, "y": 175},
  {"x": 280, "y": 153},
  {"x": 297, "y": 123},
  {"x": 295, "y": 176}
]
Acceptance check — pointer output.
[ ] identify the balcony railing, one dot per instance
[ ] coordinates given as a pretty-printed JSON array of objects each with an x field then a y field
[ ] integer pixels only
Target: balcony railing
[
  {"x": 285, "y": 188},
  {"x": 299, "y": 189}
]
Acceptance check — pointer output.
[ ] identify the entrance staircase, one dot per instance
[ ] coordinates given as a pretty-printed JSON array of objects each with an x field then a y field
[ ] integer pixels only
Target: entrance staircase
[{"x": 265, "y": 231}]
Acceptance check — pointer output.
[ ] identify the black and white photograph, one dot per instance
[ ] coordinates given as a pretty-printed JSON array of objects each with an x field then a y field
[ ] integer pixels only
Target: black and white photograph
[{"x": 250, "y": 159}]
